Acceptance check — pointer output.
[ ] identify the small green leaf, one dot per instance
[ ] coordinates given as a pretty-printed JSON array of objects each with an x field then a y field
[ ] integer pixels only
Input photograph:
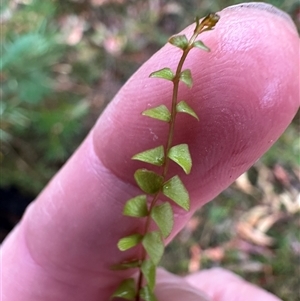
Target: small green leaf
[
  {"x": 125, "y": 290},
  {"x": 147, "y": 295},
  {"x": 176, "y": 191},
  {"x": 179, "y": 41},
  {"x": 154, "y": 246},
  {"x": 149, "y": 181},
  {"x": 165, "y": 73},
  {"x": 126, "y": 265},
  {"x": 161, "y": 113},
  {"x": 199, "y": 44},
  {"x": 129, "y": 242},
  {"x": 155, "y": 156},
  {"x": 163, "y": 217},
  {"x": 136, "y": 207},
  {"x": 149, "y": 272},
  {"x": 186, "y": 77},
  {"x": 183, "y": 107},
  {"x": 180, "y": 154}
]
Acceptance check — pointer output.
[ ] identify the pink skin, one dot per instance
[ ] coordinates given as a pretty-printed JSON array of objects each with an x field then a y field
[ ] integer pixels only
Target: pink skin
[{"x": 246, "y": 93}]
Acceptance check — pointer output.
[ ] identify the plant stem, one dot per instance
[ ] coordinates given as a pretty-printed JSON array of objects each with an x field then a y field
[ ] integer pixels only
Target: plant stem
[
  {"x": 206, "y": 24},
  {"x": 199, "y": 28}
]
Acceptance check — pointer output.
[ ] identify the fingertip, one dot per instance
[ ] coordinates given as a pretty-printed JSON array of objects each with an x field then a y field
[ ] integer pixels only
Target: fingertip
[{"x": 263, "y": 7}]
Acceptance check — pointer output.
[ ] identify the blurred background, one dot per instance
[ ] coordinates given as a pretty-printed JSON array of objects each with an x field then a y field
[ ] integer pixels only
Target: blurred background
[{"x": 63, "y": 61}]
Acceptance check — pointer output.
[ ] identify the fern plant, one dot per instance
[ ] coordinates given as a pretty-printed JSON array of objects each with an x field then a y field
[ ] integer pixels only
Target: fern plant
[{"x": 148, "y": 205}]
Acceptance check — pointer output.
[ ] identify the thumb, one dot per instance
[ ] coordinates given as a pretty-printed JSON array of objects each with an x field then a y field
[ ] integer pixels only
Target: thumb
[
  {"x": 208, "y": 285},
  {"x": 222, "y": 285},
  {"x": 176, "y": 288}
]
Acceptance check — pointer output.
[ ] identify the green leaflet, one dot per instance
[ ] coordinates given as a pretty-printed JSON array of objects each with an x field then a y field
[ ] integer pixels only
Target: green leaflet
[
  {"x": 165, "y": 73},
  {"x": 176, "y": 191},
  {"x": 155, "y": 156},
  {"x": 201, "y": 45},
  {"x": 181, "y": 155},
  {"x": 154, "y": 246},
  {"x": 183, "y": 107},
  {"x": 125, "y": 290},
  {"x": 129, "y": 242},
  {"x": 149, "y": 181},
  {"x": 149, "y": 272},
  {"x": 136, "y": 207},
  {"x": 147, "y": 295},
  {"x": 161, "y": 113},
  {"x": 163, "y": 217},
  {"x": 186, "y": 77},
  {"x": 179, "y": 41}
]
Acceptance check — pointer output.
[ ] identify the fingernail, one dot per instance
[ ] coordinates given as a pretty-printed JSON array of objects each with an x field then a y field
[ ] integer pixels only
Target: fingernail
[{"x": 263, "y": 6}]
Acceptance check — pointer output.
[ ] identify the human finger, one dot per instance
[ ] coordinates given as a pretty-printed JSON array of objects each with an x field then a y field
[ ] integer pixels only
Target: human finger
[{"x": 67, "y": 239}]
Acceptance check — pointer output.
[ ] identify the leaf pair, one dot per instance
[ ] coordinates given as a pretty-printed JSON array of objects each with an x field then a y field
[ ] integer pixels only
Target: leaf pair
[
  {"x": 152, "y": 242},
  {"x": 162, "y": 113},
  {"x": 127, "y": 290},
  {"x": 161, "y": 214},
  {"x": 180, "y": 154},
  {"x": 182, "y": 42},
  {"x": 151, "y": 183},
  {"x": 166, "y": 73}
]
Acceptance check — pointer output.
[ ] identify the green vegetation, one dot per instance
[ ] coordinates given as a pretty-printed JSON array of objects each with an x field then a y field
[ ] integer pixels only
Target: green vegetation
[{"x": 154, "y": 184}]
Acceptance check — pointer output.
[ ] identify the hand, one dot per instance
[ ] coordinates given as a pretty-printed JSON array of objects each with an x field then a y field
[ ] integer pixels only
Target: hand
[{"x": 246, "y": 93}]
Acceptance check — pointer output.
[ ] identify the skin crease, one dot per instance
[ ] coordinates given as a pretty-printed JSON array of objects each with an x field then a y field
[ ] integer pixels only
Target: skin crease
[{"x": 246, "y": 93}]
